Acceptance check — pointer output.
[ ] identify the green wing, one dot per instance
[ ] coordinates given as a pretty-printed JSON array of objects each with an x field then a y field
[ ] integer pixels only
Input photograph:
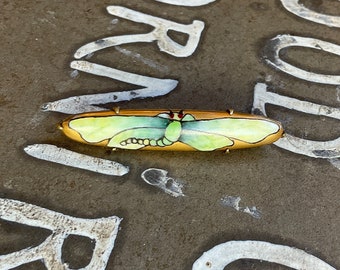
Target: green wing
[
  {"x": 204, "y": 141},
  {"x": 208, "y": 135},
  {"x": 118, "y": 129}
]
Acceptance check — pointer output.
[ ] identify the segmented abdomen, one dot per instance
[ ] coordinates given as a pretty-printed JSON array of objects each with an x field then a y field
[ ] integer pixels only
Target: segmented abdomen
[{"x": 146, "y": 142}]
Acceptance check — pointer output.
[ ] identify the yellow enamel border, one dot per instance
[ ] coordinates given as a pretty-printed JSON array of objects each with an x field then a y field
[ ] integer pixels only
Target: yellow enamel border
[{"x": 178, "y": 146}]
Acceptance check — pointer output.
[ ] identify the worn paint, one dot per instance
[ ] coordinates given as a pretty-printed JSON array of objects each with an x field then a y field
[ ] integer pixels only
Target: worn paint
[
  {"x": 222, "y": 255},
  {"x": 102, "y": 230}
]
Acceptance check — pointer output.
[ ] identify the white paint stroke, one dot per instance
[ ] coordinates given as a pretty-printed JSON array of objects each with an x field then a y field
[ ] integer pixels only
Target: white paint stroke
[
  {"x": 159, "y": 34},
  {"x": 221, "y": 255},
  {"x": 142, "y": 59},
  {"x": 66, "y": 157},
  {"x": 335, "y": 162},
  {"x": 187, "y": 3},
  {"x": 300, "y": 10},
  {"x": 315, "y": 149},
  {"x": 158, "y": 177},
  {"x": 234, "y": 202},
  {"x": 102, "y": 230},
  {"x": 74, "y": 74},
  {"x": 114, "y": 21},
  {"x": 272, "y": 57},
  {"x": 253, "y": 211},
  {"x": 152, "y": 87}
]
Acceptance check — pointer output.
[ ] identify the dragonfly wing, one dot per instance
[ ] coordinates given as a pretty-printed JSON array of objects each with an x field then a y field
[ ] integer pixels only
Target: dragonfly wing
[
  {"x": 97, "y": 129},
  {"x": 243, "y": 129},
  {"x": 204, "y": 141}
]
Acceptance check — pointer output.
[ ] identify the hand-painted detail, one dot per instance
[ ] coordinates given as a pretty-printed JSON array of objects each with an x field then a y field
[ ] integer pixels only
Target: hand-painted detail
[{"x": 172, "y": 130}]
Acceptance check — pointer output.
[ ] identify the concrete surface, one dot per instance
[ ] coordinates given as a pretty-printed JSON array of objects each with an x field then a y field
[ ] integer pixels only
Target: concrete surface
[{"x": 297, "y": 196}]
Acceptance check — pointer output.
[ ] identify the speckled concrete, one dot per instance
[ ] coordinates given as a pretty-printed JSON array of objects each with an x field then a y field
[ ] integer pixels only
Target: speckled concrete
[{"x": 297, "y": 196}]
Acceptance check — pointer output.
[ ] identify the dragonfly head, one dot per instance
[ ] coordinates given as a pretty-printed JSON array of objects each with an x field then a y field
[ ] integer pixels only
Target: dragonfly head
[{"x": 174, "y": 116}]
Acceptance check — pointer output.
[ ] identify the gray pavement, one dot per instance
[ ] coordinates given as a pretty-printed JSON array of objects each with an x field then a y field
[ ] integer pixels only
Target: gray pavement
[{"x": 298, "y": 196}]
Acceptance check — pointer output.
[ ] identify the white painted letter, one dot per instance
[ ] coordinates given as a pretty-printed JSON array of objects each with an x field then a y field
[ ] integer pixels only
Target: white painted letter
[
  {"x": 273, "y": 47},
  {"x": 315, "y": 149},
  {"x": 66, "y": 157},
  {"x": 103, "y": 231},
  {"x": 221, "y": 255},
  {"x": 187, "y": 3},
  {"x": 303, "y": 12},
  {"x": 159, "y": 34},
  {"x": 152, "y": 87}
]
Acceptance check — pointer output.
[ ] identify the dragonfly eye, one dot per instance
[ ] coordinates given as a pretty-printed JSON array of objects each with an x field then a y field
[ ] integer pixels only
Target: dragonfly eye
[
  {"x": 180, "y": 114},
  {"x": 171, "y": 114}
]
